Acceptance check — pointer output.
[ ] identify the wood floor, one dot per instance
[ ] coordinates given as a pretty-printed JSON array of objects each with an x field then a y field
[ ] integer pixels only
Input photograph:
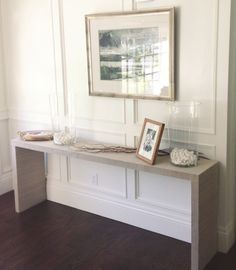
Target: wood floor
[{"x": 53, "y": 236}]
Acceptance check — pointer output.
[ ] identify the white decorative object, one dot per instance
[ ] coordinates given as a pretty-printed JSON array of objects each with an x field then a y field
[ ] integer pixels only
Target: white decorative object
[
  {"x": 62, "y": 117},
  {"x": 63, "y": 138},
  {"x": 183, "y": 157}
]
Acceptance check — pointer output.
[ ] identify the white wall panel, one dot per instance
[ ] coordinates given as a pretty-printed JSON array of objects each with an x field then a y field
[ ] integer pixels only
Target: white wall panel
[
  {"x": 29, "y": 52},
  {"x": 159, "y": 190},
  {"x": 53, "y": 167},
  {"x": 98, "y": 108},
  {"x": 102, "y": 136},
  {"x": 107, "y": 179},
  {"x": 195, "y": 67}
]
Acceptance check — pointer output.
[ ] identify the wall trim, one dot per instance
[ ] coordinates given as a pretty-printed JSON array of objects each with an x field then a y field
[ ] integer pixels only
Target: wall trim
[
  {"x": 97, "y": 190},
  {"x": 89, "y": 189},
  {"x": 29, "y": 116},
  {"x": 123, "y": 211},
  {"x": 144, "y": 5},
  {"x": 94, "y": 188},
  {"x": 131, "y": 214},
  {"x": 6, "y": 182},
  {"x": 165, "y": 208}
]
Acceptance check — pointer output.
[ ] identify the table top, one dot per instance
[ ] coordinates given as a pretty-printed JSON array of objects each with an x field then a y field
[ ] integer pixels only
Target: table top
[{"x": 127, "y": 160}]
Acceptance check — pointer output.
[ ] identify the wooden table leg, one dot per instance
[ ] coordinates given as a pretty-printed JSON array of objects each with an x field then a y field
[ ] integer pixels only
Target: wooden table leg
[
  {"x": 28, "y": 178},
  {"x": 204, "y": 218}
]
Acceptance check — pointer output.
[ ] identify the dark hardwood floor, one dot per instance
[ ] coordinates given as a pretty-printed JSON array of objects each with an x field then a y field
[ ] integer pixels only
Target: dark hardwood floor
[{"x": 53, "y": 236}]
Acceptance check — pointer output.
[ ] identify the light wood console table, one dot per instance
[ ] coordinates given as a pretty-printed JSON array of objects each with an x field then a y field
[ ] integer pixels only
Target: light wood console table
[{"x": 30, "y": 187}]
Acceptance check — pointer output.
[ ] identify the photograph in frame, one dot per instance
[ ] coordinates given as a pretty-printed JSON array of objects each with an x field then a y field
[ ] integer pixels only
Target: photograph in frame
[
  {"x": 150, "y": 140},
  {"x": 131, "y": 54}
]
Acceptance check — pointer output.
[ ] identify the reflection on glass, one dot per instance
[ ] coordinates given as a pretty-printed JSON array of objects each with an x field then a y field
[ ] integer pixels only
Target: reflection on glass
[{"x": 135, "y": 57}]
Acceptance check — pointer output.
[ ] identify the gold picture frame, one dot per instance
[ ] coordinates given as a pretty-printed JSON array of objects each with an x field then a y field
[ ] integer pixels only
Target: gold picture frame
[
  {"x": 150, "y": 140},
  {"x": 131, "y": 54}
]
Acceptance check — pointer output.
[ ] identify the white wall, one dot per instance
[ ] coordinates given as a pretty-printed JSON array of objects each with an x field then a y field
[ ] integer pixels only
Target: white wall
[
  {"x": 5, "y": 168},
  {"x": 45, "y": 51}
]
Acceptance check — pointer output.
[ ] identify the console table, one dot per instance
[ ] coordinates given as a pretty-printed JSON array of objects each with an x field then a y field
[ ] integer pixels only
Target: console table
[{"x": 30, "y": 187}]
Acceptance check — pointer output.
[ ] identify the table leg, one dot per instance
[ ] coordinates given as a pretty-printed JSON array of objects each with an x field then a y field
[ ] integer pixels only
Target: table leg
[
  {"x": 204, "y": 218},
  {"x": 28, "y": 178}
]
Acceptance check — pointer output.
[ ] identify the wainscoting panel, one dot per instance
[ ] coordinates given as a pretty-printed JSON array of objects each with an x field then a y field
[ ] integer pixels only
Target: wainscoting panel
[
  {"x": 157, "y": 191},
  {"x": 120, "y": 210},
  {"x": 193, "y": 81},
  {"x": 100, "y": 178},
  {"x": 110, "y": 137},
  {"x": 53, "y": 167},
  {"x": 75, "y": 51}
]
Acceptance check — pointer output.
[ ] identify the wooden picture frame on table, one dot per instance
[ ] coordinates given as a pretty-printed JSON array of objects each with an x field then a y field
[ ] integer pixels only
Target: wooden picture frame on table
[{"x": 150, "y": 140}]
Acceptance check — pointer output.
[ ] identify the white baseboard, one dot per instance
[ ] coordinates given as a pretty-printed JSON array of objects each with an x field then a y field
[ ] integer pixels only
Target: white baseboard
[
  {"x": 120, "y": 211},
  {"x": 5, "y": 183},
  {"x": 226, "y": 238}
]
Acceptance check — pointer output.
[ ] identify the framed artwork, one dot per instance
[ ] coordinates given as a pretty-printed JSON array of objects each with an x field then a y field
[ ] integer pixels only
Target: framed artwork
[
  {"x": 131, "y": 54},
  {"x": 150, "y": 140}
]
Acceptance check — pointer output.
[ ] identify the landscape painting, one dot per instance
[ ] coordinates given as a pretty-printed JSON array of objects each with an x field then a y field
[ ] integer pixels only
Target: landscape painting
[{"x": 129, "y": 54}]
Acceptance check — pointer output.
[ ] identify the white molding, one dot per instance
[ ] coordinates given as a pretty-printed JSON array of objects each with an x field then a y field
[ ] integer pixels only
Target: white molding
[
  {"x": 29, "y": 116},
  {"x": 123, "y": 211},
  {"x": 63, "y": 56},
  {"x": 166, "y": 209},
  {"x": 141, "y": 1},
  {"x": 130, "y": 184},
  {"x": 226, "y": 238},
  {"x": 127, "y": 5},
  {"x": 3, "y": 114},
  {"x": 103, "y": 136},
  {"x": 102, "y": 128},
  {"x": 80, "y": 122},
  {"x": 97, "y": 190},
  {"x": 59, "y": 50},
  {"x": 100, "y": 120},
  {"x": 97, "y": 124},
  {"x": 215, "y": 64},
  {"x": 157, "y": 221},
  {"x": 6, "y": 182},
  {"x": 129, "y": 112},
  {"x": 137, "y": 4}
]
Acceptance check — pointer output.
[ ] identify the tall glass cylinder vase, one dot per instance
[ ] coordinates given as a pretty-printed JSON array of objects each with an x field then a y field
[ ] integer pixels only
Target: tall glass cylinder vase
[
  {"x": 182, "y": 127},
  {"x": 62, "y": 118}
]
